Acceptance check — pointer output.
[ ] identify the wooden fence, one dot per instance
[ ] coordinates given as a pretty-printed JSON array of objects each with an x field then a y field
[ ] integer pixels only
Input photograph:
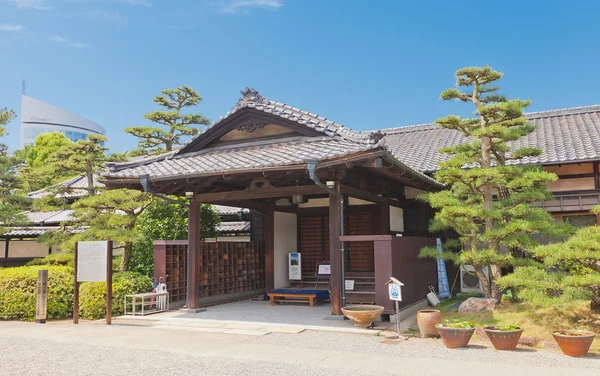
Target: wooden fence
[{"x": 227, "y": 271}]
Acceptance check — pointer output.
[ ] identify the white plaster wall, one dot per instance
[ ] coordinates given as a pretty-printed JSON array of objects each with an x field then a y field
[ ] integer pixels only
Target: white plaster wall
[
  {"x": 315, "y": 203},
  {"x": 396, "y": 219},
  {"x": 286, "y": 241},
  {"x": 24, "y": 248}
]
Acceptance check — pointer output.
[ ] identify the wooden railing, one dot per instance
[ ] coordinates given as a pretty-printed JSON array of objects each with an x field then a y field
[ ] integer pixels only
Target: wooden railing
[
  {"x": 570, "y": 202},
  {"x": 226, "y": 270}
]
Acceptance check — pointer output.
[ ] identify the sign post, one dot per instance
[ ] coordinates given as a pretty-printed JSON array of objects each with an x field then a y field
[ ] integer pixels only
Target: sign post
[
  {"x": 295, "y": 267},
  {"x": 93, "y": 263},
  {"x": 42, "y": 297},
  {"x": 395, "y": 294},
  {"x": 443, "y": 288}
]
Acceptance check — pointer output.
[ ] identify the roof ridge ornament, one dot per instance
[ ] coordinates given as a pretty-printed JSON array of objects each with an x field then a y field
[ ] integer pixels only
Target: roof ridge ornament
[{"x": 251, "y": 95}]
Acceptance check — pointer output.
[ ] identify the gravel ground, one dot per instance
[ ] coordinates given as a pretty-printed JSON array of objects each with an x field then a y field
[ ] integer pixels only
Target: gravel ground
[{"x": 92, "y": 349}]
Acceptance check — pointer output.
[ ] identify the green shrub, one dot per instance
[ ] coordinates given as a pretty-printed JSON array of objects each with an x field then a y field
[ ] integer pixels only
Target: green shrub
[
  {"x": 57, "y": 259},
  {"x": 18, "y": 288},
  {"x": 92, "y": 295}
]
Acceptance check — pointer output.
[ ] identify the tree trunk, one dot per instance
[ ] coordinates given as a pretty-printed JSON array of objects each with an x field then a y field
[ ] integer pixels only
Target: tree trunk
[
  {"x": 495, "y": 273},
  {"x": 595, "y": 303},
  {"x": 126, "y": 257},
  {"x": 483, "y": 281}
]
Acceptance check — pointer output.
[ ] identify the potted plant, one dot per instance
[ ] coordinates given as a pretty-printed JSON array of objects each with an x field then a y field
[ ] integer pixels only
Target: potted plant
[
  {"x": 362, "y": 315},
  {"x": 456, "y": 334},
  {"x": 504, "y": 337},
  {"x": 574, "y": 342},
  {"x": 427, "y": 319}
]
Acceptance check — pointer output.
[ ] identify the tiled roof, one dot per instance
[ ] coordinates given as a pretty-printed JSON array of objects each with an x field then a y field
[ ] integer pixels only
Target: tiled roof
[
  {"x": 59, "y": 216},
  {"x": 336, "y": 141},
  {"x": 566, "y": 135},
  {"x": 233, "y": 227},
  {"x": 274, "y": 153},
  {"x": 27, "y": 232},
  {"x": 230, "y": 210},
  {"x": 72, "y": 188}
]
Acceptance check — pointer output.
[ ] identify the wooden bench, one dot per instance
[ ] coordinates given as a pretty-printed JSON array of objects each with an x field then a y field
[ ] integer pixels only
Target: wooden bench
[{"x": 275, "y": 297}]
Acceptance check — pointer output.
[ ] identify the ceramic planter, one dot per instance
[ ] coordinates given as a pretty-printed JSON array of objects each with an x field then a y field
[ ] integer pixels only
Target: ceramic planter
[
  {"x": 574, "y": 342},
  {"x": 455, "y": 337},
  {"x": 427, "y": 319},
  {"x": 362, "y": 315},
  {"x": 503, "y": 339}
]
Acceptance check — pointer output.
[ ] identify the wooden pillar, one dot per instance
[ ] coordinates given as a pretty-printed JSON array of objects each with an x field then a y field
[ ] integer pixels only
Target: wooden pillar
[
  {"x": 194, "y": 250},
  {"x": 269, "y": 234},
  {"x": 6, "y": 241},
  {"x": 160, "y": 259},
  {"x": 384, "y": 219},
  {"x": 334, "y": 252}
]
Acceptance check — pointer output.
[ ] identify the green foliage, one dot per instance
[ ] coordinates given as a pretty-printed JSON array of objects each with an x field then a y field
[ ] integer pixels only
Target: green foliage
[
  {"x": 111, "y": 215},
  {"x": 18, "y": 288},
  {"x": 92, "y": 302},
  {"x": 570, "y": 272},
  {"x": 488, "y": 203},
  {"x": 6, "y": 116},
  {"x": 56, "y": 259},
  {"x": 45, "y": 145},
  {"x": 82, "y": 157},
  {"x": 156, "y": 140},
  {"x": 507, "y": 328},
  {"x": 164, "y": 220},
  {"x": 455, "y": 324}
]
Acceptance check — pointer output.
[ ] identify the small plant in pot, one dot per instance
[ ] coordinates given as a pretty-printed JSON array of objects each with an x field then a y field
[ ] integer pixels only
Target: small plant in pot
[
  {"x": 574, "y": 343},
  {"x": 456, "y": 334},
  {"x": 504, "y": 337}
]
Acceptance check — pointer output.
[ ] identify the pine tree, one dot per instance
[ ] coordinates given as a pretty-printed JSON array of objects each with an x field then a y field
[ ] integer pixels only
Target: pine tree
[
  {"x": 157, "y": 140},
  {"x": 489, "y": 197},
  {"x": 83, "y": 157},
  {"x": 570, "y": 271},
  {"x": 11, "y": 204}
]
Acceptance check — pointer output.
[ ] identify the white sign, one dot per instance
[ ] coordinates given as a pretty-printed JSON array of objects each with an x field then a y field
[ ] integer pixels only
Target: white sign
[
  {"x": 395, "y": 292},
  {"x": 92, "y": 259},
  {"x": 295, "y": 267},
  {"x": 349, "y": 284},
  {"x": 324, "y": 269}
]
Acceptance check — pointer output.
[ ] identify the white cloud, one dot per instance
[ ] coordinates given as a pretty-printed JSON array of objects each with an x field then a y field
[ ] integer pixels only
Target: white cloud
[
  {"x": 11, "y": 27},
  {"x": 101, "y": 15},
  {"x": 79, "y": 45},
  {"x": 28, "y": 4},
  {"x": 237, "y": 6}
]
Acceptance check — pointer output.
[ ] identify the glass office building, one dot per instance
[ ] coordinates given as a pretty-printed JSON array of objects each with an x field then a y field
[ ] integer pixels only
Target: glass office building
[{"x": 39, "y": 117}]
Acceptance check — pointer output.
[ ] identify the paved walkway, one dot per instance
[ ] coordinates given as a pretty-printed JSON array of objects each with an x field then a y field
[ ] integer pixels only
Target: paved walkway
[
  {"x": 258, "y": 318},
  {"x": 95, "y": 349}
]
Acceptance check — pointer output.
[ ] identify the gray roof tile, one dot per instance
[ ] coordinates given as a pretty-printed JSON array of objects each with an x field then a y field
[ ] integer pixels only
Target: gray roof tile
[{"x": 566, "y": 135}]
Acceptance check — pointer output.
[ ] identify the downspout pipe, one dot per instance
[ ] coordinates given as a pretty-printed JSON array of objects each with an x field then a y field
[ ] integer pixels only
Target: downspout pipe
[
  {"x": 145, "y": 182},
  {"x": 312, "y": 173}
]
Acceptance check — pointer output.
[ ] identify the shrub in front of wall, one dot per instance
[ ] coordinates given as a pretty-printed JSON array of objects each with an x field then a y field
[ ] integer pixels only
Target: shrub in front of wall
[
  {"x": 18, "y": 289},
  {"x": 57, "y": 259},
  {"x": 92, "y": 295}
]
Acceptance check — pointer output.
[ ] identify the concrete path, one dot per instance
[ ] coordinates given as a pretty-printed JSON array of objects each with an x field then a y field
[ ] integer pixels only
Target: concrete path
[{"x": 95, "y": 349}]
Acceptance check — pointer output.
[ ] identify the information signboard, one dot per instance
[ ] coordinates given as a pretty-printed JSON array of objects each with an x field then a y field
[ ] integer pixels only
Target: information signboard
[
  {"x": 92, "y": 260},
  {"x": 295, "y": 267}
]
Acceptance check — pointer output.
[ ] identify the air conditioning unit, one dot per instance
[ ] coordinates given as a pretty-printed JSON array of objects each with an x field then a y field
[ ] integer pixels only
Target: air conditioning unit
[{"x": 468, "y": 280}]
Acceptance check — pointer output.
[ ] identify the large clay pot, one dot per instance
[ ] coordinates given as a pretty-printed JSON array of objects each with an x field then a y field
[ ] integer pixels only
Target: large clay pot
[
  {"x": 574, "y": 342},
  {"x": 362, "y": 315},
  {"x": 503, "y": 339},
  {"x": 455, "y": 337},
  {"x": 427, "y": 319}
]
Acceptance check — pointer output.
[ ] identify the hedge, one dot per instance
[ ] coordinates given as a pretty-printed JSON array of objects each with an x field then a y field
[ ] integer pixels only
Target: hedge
[
  {"x": 18, "y": 293},
  {"x": 18, "y": 288},
  {"x": 57, "y": 259},
  {"x": 92, "y": 295}
]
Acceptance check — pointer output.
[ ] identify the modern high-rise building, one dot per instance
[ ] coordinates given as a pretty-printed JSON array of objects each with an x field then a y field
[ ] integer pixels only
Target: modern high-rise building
[{"x": 40, "y": 117}]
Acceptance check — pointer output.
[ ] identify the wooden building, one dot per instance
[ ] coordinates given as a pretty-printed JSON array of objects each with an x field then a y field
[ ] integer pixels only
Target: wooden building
[{"x": 330, "y": 193}]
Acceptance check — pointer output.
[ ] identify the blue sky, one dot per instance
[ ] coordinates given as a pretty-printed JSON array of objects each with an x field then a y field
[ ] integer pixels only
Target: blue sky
[{"x": 364, "y": 64}]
